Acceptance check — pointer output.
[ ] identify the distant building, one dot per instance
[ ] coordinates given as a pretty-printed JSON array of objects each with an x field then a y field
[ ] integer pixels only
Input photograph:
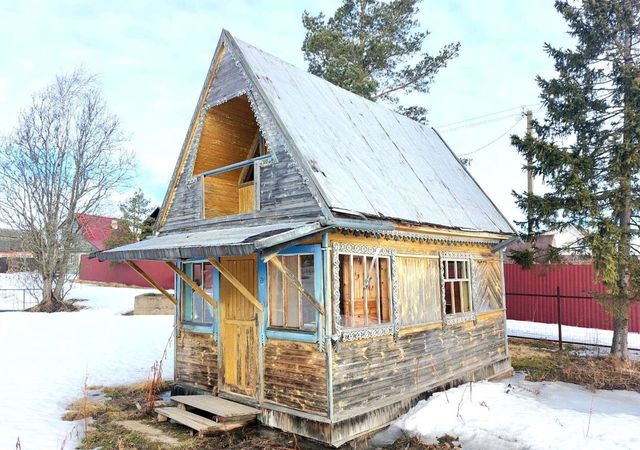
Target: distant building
[
  {"x": 93, "y": 234},
  {"x": 14, "y": 257}
]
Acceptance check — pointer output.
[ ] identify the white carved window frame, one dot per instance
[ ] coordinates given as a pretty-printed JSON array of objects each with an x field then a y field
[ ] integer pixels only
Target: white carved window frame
[
  {"x": 341, "y": 333},
  {"x": 466, "y": 316}
]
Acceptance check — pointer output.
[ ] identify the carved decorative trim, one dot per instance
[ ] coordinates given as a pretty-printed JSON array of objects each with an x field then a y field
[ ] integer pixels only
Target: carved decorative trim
[
  {"x": 351, "y": 334},
  {"x": 422, "y": 237},
  {"x": 459, "y": 318}
]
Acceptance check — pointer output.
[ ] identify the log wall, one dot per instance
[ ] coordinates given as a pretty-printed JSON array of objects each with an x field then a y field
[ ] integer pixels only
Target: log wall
[
  {"x": 295, "y": 376},
  {"x": 367, "y": 375},
  {"x": 196, "y": 361}
]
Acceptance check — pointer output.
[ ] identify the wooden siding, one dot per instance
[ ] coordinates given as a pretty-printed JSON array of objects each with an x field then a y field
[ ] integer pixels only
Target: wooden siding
[
  {"x": 246, "y": 199},
  {"x": 486, "y": 283},
  {"x": 369, "y": 374},
  {"x": 419, "y": 299},
  {"x": 196, "y": 360},
  {"x": 230, "y": 81},
  {"x": 295, "y": 376}
]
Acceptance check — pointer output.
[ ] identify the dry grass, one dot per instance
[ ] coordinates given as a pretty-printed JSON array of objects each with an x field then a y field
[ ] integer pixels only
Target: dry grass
[
  {"x": 445, "y": 442},
  {"x": 542, "y": 362}
]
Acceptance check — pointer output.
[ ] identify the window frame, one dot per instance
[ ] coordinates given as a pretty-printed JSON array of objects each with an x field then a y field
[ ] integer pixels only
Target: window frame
[
  {"x": 186, "y": 303},
  {"x": 295, "y": 334},
  {"x": 456, "y": 317},
  {"x": 349, "y": 333}
]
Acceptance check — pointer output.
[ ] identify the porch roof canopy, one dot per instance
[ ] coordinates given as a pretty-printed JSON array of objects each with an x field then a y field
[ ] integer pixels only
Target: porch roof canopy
[{"x": 211, "y": 243}]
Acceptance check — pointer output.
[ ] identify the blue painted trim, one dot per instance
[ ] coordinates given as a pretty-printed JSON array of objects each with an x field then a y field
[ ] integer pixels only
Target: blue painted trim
[
  {"x": 292, "y": 335},
  {"x": 197, "y": 327},
  {"x": 186, "y": 292},
  {"x": 318, "y": 287},
  {"x": 215, "y": 293},
  {"x": 263, "y": 294}
]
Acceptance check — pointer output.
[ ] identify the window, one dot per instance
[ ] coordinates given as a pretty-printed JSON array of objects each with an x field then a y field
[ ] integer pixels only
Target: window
[
  {"x": 288, "y": 308},
  {"x": 456, "y": 286},
  {"x": 364, "y": 290},
  {"x": 197, "y": 309}
]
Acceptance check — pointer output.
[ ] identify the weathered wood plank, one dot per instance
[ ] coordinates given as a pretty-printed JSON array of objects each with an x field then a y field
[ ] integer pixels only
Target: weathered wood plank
[
  {"x": 295, "y": 376},
  {"x": 196, "y": 360}
]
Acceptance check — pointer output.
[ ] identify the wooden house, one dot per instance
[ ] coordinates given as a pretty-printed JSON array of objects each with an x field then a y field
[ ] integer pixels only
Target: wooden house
[{"x": 335, "y": 261}]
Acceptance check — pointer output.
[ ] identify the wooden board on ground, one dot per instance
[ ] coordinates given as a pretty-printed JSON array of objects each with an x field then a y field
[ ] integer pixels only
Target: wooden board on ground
[
  {"x": 220, "y": 407},
  {"x": 186, "y": 418}
]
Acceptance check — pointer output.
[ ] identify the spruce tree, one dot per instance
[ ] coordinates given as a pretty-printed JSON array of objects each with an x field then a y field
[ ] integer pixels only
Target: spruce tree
[
  {"x": 587, "y": 148},
  {"x": 374, "y": 49},
  {"x": 134, "y": 224}
]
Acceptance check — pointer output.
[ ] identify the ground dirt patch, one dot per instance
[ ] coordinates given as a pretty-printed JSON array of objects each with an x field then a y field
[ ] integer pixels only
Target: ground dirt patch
[{"x": 542, "y": 361}]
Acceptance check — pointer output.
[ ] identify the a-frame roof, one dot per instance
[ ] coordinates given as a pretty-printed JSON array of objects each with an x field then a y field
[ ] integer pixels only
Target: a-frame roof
[{"x": 363, "y": 159}]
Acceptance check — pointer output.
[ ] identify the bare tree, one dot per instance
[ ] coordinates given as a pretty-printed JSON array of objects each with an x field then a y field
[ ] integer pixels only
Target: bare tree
[{"x": 65, "y": 157}]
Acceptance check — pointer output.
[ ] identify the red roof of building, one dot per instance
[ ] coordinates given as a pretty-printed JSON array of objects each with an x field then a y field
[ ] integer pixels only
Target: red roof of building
[{"x": 95, "y": 229}]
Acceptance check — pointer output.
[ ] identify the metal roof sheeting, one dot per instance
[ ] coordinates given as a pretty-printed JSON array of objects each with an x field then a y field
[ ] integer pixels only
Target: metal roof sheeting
[
  {"x": 201, "y": 244},
  {"x": 367, "y": 159}
]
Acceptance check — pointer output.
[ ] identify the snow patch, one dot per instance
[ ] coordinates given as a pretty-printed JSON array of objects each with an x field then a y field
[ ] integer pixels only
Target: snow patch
[
  {"x": 45, "y": 358},
  {"x": 517, "y": 414}
]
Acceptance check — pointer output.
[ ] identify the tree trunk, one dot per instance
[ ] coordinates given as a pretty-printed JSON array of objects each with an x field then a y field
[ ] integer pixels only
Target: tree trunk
[{"x": 619, "y": 345}]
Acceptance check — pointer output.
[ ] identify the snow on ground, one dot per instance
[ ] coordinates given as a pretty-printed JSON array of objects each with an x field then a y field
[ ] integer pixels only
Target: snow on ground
[
  {"x": 45, "y": 358},
  {"x": 589, "y": 336},
  {"x": 517, "y": 414}
]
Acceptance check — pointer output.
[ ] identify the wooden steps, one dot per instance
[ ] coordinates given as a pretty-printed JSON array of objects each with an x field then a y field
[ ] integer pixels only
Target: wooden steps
[{"x": 223, "y": 415}]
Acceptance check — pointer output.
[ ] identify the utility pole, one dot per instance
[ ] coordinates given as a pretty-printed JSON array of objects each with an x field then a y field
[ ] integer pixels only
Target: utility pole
[{"x": 529, "y": 115}]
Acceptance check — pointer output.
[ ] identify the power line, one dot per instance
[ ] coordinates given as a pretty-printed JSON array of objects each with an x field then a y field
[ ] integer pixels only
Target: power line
[
  {"x": 483, "y": 122},
  {"x": 483, "y": 116},
  {"x": 494, "y": 140}
]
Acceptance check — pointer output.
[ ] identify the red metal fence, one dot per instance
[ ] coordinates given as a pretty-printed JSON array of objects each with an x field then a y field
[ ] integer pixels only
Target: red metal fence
[
  {"x": 576, "y": 281},
  {"x": 109, "y": 272}
]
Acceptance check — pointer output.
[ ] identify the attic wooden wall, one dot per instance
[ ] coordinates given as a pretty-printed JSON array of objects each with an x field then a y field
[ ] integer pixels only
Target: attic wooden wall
[{"x": 283, "y": 190}]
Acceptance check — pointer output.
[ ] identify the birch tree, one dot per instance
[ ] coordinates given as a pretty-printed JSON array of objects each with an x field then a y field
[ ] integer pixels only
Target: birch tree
[{"x": 65, "y": 157}]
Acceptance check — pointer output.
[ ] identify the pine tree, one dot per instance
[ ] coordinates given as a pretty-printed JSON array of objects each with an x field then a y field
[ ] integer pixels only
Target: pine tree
[
  {"x": 374, "y": 49},
  {"x": 134, "y": 224},
  {"x": 587, "y": 148}
]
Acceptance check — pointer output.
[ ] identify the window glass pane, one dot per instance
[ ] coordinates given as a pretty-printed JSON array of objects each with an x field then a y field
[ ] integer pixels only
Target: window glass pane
[
  {"x": 276, "y": 298},
  {"x": 464, "y": 293},
  {"x": 207, "y": 284},
  {"x": 292, "y": 300},
  {"x": 385, "y": 289},
  {"x": 196, "y": 309},
  {"x": 457, "y": 299},
  {"x": 358, "y": 292},
  {"x": 448, "y": 298},
  {"x": 344, "y": 276},
  {"x": 308, "y": 282},
  {"x": 372, "y": 277},
  {"x": 451, "y": 269},
  {"x": 208, "y": 313}
]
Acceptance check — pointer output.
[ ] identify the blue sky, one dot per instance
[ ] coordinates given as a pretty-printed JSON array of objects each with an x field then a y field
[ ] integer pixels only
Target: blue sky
[{"x": 152, "y": 58}]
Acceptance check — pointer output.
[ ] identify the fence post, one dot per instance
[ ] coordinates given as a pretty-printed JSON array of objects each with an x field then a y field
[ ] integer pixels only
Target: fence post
[
  {"x": 24, "y": 291},
  {"x": 559, "y": 317}
]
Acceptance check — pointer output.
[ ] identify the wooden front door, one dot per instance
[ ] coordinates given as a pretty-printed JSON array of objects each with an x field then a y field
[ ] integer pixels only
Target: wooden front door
[{"x": 239, "y": 329}]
